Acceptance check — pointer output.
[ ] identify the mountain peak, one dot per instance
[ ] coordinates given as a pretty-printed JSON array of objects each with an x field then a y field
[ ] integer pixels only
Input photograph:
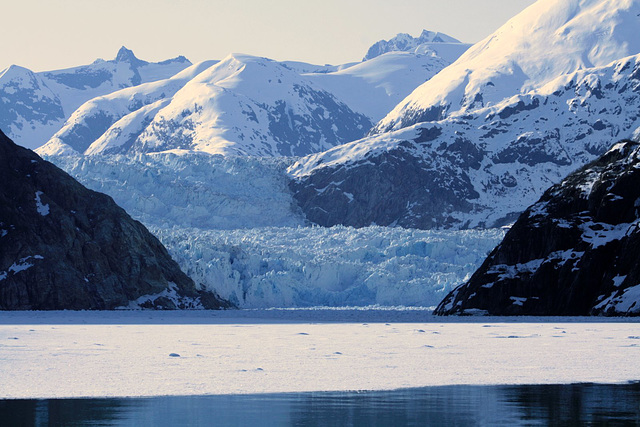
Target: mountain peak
[
  {"x": 406, "y": 43},
  {"x": 126, "y": 55}
]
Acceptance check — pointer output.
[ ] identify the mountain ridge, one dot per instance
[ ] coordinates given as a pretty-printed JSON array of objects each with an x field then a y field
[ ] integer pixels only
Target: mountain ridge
[
  {"x": 573, "y": 252},
  {"x": 404, "y": 42},
  {"x": 63, "y": 246},
  {"x": 56, "y": 94}
]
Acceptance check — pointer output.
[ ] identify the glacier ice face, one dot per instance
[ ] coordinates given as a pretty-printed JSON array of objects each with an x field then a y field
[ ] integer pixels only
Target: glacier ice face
[
  {"x": 231, "y": 224},
  {"x": 315, "y": 266}
]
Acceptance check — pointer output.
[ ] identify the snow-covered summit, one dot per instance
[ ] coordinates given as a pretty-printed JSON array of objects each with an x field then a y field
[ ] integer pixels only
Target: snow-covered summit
[
  {"x": 548, "y": 39},
  {"x": 404, "y": 42},
  {"x": 243, "y": 105},
  {"x": 33, "y": 106},
  {"x": 99, "y": 124},
  {"x": 27, "y": 100}
]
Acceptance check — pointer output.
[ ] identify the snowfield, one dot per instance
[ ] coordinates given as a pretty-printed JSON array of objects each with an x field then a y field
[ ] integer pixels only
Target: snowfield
[{"x": 141, "y": 353}]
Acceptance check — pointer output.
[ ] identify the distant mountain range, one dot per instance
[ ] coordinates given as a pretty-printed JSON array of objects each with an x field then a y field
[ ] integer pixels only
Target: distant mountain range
[
  {"x": 427, "y": 42},
  {"x": 33, "y": 106},
  {"x": 246, "y": 105}
]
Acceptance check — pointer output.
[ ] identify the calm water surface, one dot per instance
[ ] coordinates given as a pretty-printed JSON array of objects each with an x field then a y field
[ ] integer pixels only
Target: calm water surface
[{"x": 575, "y": 404}]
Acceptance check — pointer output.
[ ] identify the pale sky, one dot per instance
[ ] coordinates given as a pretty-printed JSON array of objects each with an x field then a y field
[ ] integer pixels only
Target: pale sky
[{"x": 52, "y": 34}]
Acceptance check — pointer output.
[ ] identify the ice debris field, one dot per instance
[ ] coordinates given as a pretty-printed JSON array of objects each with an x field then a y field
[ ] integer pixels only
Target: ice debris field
[{"x": 136, "y": 353}]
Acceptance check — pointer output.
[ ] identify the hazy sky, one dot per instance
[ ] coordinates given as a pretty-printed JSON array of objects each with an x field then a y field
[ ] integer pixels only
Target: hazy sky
[{"x": 52, "y": 34}]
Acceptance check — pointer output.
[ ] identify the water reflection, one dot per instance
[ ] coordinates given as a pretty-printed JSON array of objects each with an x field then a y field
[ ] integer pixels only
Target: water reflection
[{"x": 576, "y": 404}]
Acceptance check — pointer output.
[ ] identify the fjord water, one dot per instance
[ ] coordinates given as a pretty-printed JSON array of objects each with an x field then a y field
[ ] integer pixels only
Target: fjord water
[{"x": 571, "y": 404}]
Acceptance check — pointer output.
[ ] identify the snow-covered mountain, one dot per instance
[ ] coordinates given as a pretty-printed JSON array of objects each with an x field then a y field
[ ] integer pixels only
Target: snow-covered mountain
[
  {"x": 375, "y": 87},
  {"x": 242, "y": 105},
  {"x": 246, "y": 105},
  {"x": 426, "y": 42},
  {"x": 33, "y": 106},
  {"x": 549, "y": 39},
  {"x": 109, "y": 123},
  {"x": 481, "y": 140}
]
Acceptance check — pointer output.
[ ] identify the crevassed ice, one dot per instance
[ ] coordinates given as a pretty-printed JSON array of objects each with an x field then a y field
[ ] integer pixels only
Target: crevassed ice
[
  {"x": 232, "y": 225},
  {"x": 338, "y": 266}
]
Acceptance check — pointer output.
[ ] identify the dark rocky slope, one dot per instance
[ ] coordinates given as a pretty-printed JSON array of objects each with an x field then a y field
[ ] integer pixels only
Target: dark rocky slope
[
  {"x": 63, "y": 246},
  {"x": 574, "y": 252}
]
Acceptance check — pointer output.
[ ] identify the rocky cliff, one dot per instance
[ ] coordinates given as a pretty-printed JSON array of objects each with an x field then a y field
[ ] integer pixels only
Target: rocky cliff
[
  {"x": 574, "y": 252},
  {"x": 63, "y": 246}
]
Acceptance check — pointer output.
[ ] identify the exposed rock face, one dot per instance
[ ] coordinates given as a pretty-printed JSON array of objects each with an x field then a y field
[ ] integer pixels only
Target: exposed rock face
[
  {"x": 393, "y": 186},
  {"x": 63, "y": 246},
  {"x": 574, "y": 252}
]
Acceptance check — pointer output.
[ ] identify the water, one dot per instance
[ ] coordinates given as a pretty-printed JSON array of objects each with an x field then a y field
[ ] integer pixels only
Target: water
[{"x": 574, "y": 404}]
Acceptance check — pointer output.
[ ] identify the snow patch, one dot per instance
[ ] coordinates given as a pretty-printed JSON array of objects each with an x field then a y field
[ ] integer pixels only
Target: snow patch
[
  {"x": 507, "y": 272},
  {"x": 170, "y": 293},
  {"x": 600, "y": 233},
  {"x": 21, "y": 265},
  {"x": 625, "y": 302},
  {"x": 518, "y": 300},
  {"x": 617, "y": 281},
  {"x": 43, "y": 209}
]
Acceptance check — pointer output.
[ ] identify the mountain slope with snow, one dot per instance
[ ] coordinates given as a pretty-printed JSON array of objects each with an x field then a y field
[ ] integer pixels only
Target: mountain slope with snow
[
  {"x": 247, "y": 105},
  {"x": 376, "y": 86},
  {"x": 33, "y": 106},
  {"x": 483, "y": 164},
  {"x": 251, "y": 106},
  {"x": 548, "y": 39},
  {"x": 100, "y": 117}
]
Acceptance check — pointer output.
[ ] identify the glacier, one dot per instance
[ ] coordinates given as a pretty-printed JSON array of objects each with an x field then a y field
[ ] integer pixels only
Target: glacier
[
  {"x": 232, "y": 226},
  {"x": 337, "y": 266}
]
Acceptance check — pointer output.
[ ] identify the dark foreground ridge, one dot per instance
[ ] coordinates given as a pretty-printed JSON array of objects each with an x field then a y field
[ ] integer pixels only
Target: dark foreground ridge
[
  {"x": 63, "y": 246},
  {"x": 575, "y": 252}
]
